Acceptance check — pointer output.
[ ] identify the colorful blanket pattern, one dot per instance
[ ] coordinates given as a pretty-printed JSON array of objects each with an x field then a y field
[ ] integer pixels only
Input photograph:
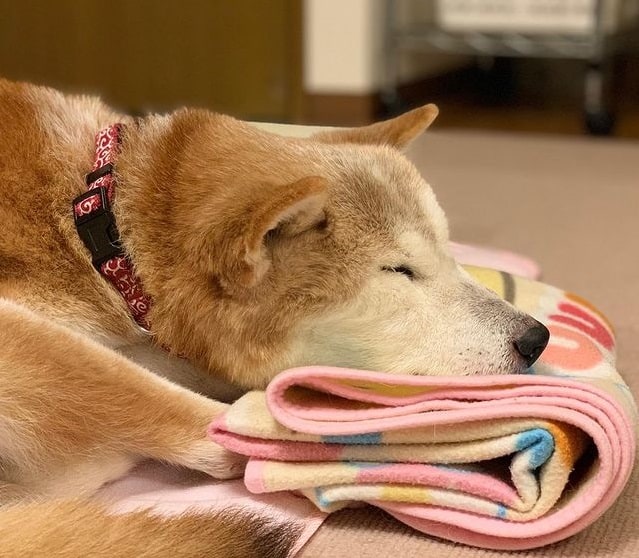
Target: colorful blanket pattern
[{"x": 506, "y": 462}]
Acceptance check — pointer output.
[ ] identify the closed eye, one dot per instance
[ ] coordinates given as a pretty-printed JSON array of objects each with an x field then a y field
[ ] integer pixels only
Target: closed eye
[{"x": 403, "y": 269}]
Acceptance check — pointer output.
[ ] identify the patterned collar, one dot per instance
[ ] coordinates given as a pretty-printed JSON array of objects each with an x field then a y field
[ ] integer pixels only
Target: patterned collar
[{"x": 96, "y": 225}]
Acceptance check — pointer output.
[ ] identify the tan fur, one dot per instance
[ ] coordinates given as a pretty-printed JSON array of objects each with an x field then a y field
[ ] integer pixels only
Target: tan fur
[
  {"x": 79, "y": 529},
  {"x": 259, "y": 252}
]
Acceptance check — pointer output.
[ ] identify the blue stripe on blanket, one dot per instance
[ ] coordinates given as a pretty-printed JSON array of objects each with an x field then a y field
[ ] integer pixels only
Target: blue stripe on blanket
[
  {"x": 322, "y": 501},
  {"x": 539, "y": 443},
  {"x": 366, "y": 464},
  {"x": 369, "y": 439}
]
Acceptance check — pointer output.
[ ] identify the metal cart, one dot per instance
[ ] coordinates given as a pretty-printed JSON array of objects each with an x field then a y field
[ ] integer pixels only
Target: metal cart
[{"x": 596, "y": 49}]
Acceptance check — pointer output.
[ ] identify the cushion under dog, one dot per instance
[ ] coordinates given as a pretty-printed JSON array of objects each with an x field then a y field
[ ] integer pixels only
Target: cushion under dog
[{"x": 504, "y": 462}]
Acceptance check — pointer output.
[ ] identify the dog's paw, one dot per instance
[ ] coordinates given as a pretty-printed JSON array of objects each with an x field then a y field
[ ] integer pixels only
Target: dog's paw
[{"x": 214, "y": 460}]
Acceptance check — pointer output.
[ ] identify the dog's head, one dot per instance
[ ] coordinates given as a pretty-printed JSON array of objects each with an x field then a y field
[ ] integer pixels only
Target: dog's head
[{"x": 329, "y": 250}]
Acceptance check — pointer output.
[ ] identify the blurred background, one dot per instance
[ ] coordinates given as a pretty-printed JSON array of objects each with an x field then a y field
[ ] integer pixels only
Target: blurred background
[{"x": 554, "y": 66}]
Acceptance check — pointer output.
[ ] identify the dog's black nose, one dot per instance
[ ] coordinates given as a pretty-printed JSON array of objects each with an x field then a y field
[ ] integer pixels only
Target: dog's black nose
[{"x": 532, "y": 343}]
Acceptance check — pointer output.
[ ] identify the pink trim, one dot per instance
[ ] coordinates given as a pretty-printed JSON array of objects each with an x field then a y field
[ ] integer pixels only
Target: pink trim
[
  {"x": 254, "y": 477},
  {"x": 279, "y": 450},
  {"x": 493, "y": 258}
]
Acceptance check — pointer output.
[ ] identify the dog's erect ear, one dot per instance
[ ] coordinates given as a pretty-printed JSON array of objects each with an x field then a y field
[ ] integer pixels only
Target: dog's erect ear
[
  {"x": 397, "y": 132},
  {"x": 288, "y": 210}
]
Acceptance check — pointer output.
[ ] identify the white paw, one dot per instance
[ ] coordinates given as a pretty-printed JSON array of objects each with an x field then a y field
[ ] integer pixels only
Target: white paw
[{"x": 213, "y": 459}]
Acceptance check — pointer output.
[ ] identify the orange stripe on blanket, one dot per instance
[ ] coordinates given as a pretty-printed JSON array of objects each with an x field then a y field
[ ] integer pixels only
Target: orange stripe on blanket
[
  {"x": 570, "y": 442},
  {"x": 591, "y": 307}
]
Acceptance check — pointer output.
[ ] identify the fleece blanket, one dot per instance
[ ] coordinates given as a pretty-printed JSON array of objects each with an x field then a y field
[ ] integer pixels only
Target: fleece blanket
[{"x": 503, "y": 462}]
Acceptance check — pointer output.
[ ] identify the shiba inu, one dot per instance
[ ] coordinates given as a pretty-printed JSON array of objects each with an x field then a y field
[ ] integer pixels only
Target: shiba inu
[{"x": 216, "y": 252}]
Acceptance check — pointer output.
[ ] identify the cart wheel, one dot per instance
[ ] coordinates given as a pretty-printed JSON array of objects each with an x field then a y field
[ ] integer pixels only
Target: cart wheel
[{"x": 599, "y": 123}]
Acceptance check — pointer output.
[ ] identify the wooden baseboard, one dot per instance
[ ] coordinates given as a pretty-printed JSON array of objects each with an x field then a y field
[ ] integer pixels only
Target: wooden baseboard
[{"x": 340, "y": 110}]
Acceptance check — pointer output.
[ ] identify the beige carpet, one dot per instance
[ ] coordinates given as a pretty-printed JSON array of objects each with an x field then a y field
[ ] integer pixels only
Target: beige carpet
[{"x": 573, "y": 205}]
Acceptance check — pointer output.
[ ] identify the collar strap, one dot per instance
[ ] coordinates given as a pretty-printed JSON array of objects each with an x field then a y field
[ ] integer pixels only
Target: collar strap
[{"x": 96, "y": 226}]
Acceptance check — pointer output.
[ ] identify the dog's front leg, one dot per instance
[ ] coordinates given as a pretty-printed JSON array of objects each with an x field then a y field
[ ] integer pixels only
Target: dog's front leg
[{"x": 74, "y": 414}]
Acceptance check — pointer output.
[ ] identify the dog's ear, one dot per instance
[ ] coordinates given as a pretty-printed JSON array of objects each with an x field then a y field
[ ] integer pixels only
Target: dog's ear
[
  {"x": 240, "y": 257},
  {"x": 397, "y": 132}
]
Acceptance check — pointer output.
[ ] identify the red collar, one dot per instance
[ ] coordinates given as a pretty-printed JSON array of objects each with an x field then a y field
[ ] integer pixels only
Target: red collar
[{"x": 97, "y": 229}]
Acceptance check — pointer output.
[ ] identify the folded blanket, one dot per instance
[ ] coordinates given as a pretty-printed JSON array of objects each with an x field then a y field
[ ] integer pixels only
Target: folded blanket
[{"x": 504, "y": 462}]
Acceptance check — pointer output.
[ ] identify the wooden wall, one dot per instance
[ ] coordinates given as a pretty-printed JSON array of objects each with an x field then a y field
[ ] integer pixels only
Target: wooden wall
[{"x": 241, "y": 56}]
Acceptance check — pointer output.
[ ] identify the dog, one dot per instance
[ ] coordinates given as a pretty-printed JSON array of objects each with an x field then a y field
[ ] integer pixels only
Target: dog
[{"x": 248, "y": 253}]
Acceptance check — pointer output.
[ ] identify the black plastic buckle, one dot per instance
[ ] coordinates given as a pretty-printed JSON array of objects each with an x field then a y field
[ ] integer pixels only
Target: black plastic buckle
[
  {"x": 98, "y": 173},
  {"x": 97, "y": 229}
]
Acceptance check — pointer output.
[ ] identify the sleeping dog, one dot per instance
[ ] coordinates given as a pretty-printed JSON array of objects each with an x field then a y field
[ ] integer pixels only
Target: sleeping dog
[{"x": 184, "y": 256}]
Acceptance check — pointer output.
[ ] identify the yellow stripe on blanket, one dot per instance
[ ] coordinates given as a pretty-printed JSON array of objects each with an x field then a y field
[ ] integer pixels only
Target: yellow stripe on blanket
[{"x": 386, "y": 389}]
